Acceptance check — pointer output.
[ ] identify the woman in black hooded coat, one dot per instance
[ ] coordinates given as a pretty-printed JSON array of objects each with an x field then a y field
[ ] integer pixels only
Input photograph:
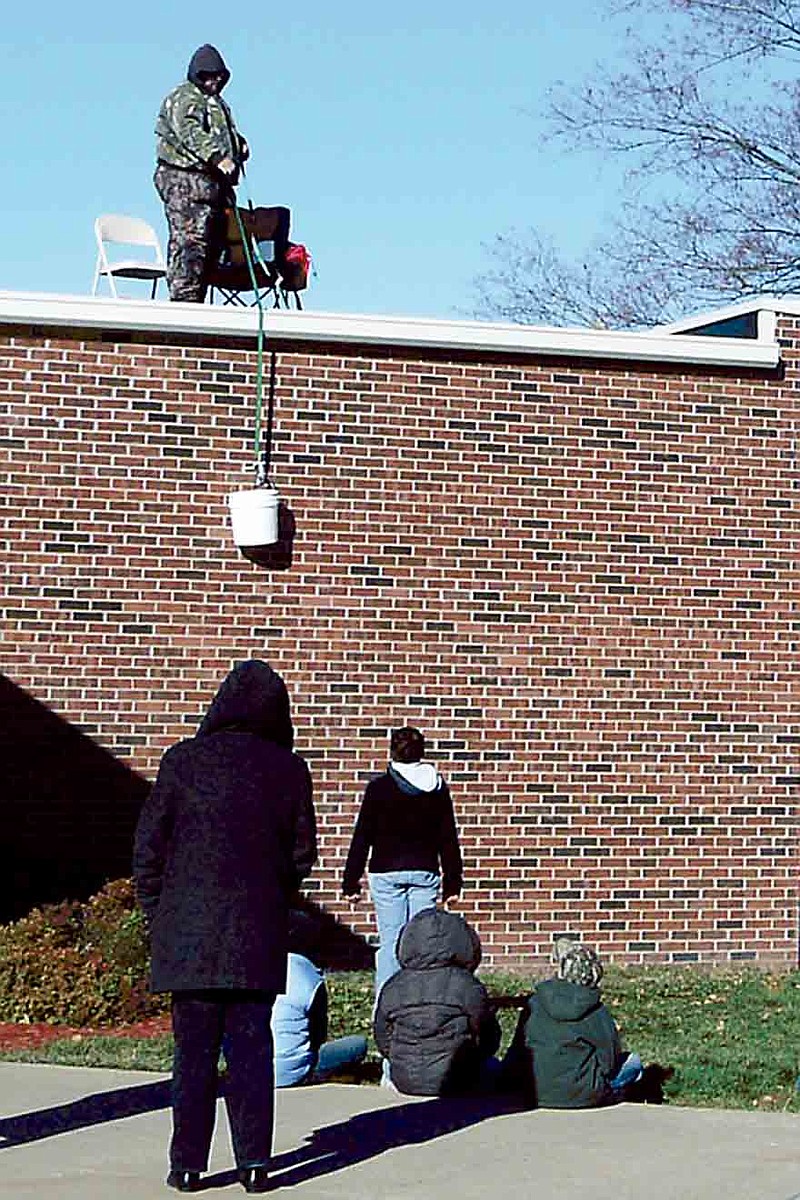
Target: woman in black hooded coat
[{"x": 226, "y": 835}]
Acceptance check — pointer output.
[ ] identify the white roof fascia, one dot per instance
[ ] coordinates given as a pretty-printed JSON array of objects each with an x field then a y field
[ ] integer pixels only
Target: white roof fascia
[
  {"x": 767, "y": 325},
  {"x": 766, "y": 306},
  {"x": 23, "y": 308}
]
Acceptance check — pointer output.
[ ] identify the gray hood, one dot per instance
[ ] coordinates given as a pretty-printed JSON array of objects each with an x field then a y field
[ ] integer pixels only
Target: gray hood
[
  {"x": 251, "y": 699},
  {"x": 436, "y": 938}
]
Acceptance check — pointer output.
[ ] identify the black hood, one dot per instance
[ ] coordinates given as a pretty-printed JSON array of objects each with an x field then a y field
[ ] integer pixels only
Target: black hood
[
  {"x": 436, "y": 938},
  {"x": 565, "y": 1001},
  {"x": 207, "y": 58},
  {"x": 251, "y": 699}
]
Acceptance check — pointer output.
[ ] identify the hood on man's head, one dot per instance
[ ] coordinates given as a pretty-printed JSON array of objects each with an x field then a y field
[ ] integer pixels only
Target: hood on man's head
[
  {"x": 251, "y": 699},
  {"x": 207, "y": 60},
  {"x": 437, "y": 938}
]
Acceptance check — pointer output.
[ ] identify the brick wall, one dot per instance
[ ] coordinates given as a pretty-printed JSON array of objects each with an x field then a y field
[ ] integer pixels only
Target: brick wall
[{"x": 576, "y": 577}]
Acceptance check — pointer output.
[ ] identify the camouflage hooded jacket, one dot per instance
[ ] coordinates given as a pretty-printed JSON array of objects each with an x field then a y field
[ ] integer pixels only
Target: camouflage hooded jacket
[{"x": 194, "y": 129}]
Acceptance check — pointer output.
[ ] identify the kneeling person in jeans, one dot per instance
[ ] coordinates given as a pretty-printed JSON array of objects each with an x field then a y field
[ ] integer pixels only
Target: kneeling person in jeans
[{"x": 300, "y": 1018}]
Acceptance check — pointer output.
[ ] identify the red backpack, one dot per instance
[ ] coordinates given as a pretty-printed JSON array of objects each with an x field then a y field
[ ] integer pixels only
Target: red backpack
[{"x": 295, "y": 268}]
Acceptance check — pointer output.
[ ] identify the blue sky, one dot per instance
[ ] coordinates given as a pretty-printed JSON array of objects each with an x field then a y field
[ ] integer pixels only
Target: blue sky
[{"x": 402, "y": 137}]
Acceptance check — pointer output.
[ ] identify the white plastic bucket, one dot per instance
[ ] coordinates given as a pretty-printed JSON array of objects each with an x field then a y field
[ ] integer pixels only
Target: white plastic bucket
[{"x": 254, "y": 516}]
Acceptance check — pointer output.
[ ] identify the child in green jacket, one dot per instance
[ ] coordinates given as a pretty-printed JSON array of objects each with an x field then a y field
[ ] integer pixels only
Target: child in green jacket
[{"x": 566, "y": 1051}]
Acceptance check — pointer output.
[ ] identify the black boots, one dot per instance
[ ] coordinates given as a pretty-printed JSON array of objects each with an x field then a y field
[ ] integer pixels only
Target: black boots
[
  {"x": 184, "y": 1181},
  {"x": 254, "y": 1179}
]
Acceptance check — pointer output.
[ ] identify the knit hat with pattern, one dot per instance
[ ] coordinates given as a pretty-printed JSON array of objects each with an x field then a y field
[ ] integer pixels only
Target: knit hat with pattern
[{"x": 576, "y": 963}]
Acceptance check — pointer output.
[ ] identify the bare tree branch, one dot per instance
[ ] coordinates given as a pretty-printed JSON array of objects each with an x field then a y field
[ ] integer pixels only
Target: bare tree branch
[{"x": 706, "y": 119}]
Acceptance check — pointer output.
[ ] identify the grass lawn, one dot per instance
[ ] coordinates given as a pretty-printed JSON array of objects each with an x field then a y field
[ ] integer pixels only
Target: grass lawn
[{"x": 732, "y": 1037}]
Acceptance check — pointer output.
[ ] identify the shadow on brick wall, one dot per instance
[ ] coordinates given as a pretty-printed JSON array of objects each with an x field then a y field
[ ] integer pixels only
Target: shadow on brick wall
[
  {"x": 278, "y": 556},
  {"x": 68, "y": 810},
  {"x": 324, "y": 939}
]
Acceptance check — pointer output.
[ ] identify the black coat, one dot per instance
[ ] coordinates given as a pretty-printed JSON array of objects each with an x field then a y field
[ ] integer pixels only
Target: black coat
[
  {"x": 405, "y": 829},
  {"x": 434, "y": 1021},
  {"x": 224, "y": 838}
]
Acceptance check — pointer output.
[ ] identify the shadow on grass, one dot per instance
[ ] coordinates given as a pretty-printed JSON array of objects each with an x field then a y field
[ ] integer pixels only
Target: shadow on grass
[
  {"x": 89, "y": 1110},
  {"x": 650, "y": 1088}
]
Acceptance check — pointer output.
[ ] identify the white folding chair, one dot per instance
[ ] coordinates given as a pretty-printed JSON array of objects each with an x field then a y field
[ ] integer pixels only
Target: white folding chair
[{"x": 127, "y": 231}]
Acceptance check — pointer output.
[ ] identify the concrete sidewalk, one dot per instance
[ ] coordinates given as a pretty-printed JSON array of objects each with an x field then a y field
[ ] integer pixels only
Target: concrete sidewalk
[{"x": 70, "y": 1133}]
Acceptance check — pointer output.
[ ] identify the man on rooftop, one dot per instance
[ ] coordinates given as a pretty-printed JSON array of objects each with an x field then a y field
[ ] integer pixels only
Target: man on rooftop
[{"x": 200, "y": 157}]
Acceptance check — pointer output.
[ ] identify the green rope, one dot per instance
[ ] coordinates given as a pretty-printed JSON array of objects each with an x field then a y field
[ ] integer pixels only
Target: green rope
[{"x": 261, "y": 475}]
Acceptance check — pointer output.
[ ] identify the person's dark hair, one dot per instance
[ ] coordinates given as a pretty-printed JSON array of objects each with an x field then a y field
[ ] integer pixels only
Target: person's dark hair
[{"x": 407, "y": 745}]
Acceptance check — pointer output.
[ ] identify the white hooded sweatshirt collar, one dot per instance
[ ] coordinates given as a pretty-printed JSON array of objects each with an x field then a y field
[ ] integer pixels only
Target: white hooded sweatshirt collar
[{"x": 421, "y": 775}]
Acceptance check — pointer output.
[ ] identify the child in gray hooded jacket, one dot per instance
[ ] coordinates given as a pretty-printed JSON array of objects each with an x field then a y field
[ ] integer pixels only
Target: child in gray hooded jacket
[{"x": 434, "y": 1022}]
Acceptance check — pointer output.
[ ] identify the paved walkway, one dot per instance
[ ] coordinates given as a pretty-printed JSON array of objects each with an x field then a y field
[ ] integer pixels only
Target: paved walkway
[{"x": 72, "y": 1133}]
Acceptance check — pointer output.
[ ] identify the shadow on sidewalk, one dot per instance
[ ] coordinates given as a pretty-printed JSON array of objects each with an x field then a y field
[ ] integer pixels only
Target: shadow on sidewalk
[
  {"x": 90, "y": 1110},
  {"x": 366, "y": 1135}
]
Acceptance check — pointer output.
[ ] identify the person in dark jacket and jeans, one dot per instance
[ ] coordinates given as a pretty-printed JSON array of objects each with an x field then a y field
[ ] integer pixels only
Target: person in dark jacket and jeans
[
  {"x": 224, "y": 839},
  {"x": 434, "y": 1022},
  {"x": 407, "y": 830},
  {"x": 566, "y": 1051}
]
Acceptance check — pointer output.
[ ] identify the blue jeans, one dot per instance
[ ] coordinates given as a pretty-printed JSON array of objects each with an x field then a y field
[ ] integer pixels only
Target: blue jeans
[
  {"x": 630, "y": 1071},
  {"x": 398, "y": 896},
  {"x": 332, "y": 1056}
]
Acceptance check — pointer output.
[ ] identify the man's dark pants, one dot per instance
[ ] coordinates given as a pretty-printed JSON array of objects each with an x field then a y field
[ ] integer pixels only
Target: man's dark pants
[
  {"x": 200, "y": 1022},
  {"x": 194, "y": 205}
]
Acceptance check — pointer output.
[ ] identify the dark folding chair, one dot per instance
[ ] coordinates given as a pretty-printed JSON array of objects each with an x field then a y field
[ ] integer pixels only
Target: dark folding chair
[{"x": 268, "y": 229}]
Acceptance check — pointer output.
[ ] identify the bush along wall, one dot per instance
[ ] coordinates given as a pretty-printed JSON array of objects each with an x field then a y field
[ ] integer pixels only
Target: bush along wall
[{"x": 78, "y": 963}]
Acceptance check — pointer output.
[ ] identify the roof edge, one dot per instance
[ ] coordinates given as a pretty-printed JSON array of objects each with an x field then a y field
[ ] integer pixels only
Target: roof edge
[
  {"x": 657, "y": 345},
  {"x": 765, "y": 306}
]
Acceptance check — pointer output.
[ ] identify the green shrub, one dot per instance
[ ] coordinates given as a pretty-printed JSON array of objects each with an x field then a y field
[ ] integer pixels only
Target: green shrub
[{"x": 78, "y": 963}]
